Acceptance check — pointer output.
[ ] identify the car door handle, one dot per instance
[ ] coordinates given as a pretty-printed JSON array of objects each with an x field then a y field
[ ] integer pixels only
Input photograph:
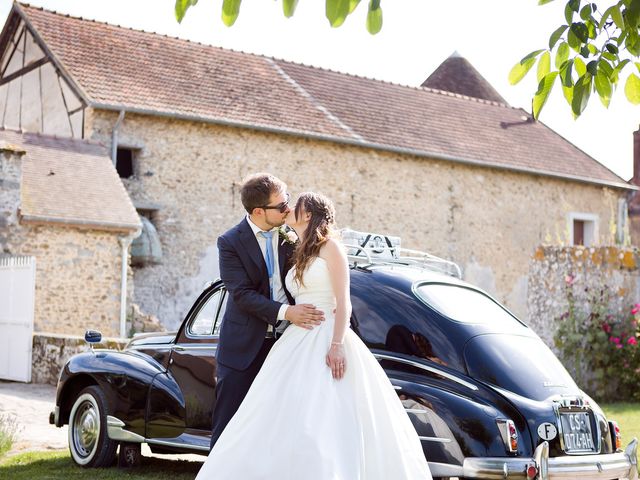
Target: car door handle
[{"x": 179, "y": 348}]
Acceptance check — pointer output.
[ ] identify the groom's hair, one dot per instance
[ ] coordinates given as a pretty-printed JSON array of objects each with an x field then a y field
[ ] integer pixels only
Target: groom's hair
[{"x": 257, "y": 188}]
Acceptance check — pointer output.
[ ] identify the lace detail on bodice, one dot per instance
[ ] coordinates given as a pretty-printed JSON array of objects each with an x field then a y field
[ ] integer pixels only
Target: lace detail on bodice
[{"x": 317, "y": 289}]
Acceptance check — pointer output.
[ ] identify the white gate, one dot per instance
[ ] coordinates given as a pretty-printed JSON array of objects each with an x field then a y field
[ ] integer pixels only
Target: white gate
[{"x": 17, "y": 298}]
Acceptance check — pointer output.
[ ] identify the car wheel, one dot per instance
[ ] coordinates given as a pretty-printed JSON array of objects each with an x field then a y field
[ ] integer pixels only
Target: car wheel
[{"x": 88, "y": 441}]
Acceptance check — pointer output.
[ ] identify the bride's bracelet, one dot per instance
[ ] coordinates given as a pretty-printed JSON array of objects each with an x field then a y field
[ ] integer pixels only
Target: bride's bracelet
[{"x": 337, "y": 343}]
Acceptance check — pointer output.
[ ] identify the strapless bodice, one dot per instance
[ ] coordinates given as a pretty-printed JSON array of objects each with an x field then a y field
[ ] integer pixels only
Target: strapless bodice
[{"x": 317, "y": 289}]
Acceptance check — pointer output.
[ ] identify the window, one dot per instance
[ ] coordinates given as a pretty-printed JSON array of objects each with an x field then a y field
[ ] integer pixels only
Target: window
[
  {"x": 463, "y": 304},
  {"x": 583, "y": 229},
  {"x": 125, "y": 162},
  {"x": 204, "y": 323}
]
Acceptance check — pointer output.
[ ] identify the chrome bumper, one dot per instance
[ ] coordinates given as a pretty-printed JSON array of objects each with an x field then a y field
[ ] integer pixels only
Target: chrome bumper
[{"x": 621, "y": 465}]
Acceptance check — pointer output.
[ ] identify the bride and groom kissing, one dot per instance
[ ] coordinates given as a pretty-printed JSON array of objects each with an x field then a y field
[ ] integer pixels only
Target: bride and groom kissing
[{"x": 298, "y": 396}]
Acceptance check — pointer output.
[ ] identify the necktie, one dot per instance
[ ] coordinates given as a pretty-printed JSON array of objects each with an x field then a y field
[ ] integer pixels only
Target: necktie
[{"x": 269, "y": 260}]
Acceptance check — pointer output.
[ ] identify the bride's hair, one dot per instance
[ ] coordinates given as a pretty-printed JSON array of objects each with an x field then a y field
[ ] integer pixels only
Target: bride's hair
[{"x": 321, "y": 227}]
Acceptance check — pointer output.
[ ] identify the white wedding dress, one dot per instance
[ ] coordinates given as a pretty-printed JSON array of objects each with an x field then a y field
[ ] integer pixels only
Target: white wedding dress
[{"x": 298, "y": 423}]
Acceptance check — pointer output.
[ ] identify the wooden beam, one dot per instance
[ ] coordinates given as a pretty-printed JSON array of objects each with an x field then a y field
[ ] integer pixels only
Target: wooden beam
[{"x": 24, "y": 71}]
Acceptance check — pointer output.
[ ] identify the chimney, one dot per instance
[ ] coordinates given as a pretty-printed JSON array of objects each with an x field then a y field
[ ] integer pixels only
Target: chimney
[{"x": 636, "y": 158}]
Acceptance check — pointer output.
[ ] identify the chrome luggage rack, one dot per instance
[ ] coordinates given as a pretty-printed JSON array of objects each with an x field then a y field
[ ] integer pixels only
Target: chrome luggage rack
[{"x": 369, "y": 256}]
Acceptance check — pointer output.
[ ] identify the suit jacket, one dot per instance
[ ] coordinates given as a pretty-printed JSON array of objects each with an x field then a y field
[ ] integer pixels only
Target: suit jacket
[{"x": 249, "y": 307}]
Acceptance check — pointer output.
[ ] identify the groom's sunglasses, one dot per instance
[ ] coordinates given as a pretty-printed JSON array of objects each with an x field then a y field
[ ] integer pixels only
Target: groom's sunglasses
[{"x": 281, "y": 207}]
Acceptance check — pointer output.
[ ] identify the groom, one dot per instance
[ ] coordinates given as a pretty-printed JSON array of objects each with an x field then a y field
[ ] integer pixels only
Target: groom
[{"x": 254, "y": 261}]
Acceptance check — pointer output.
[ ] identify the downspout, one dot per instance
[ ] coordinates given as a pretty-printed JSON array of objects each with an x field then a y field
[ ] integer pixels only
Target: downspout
[
  {"x": 125, "y": 243},
  {"x": 114, "y": 137}
]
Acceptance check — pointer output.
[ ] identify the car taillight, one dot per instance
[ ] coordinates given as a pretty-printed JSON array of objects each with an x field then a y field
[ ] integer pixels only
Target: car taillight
[
  {"x": 509, "y": 434},
  {"x": 532, "y": 471},
  {"x": 616, "y": 435}
]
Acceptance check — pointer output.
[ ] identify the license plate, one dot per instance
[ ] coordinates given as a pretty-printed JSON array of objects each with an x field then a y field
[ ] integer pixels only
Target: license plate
[{"x": 576, "y": 432}]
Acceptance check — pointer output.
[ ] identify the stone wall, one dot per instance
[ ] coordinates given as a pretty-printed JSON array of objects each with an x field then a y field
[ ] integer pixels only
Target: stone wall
[
  {"x": 51, "y": 351},
  {"x": 77, "y": 277},
  {"x": 588, "y": 273},
  {"x": 489, "y": 221}
]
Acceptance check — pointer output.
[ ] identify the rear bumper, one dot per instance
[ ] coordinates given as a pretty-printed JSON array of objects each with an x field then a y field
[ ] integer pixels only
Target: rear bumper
[{"x": 621, "y": 465}]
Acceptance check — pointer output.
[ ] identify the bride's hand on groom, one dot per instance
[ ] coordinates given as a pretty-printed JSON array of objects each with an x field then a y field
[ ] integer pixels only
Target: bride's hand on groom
[
  {"x": 336, "y": 360},
  {"x": 304, "y": 315}
]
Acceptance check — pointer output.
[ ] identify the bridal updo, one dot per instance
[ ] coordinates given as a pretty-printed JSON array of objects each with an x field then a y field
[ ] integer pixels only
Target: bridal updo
[{"x": 321, "y": 227}]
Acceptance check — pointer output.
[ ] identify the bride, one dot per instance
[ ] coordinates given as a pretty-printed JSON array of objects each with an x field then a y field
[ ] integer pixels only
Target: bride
[{"x": 321, "y": 407}]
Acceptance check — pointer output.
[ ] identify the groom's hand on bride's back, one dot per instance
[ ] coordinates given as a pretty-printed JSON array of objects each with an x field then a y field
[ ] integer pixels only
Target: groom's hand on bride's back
[{"x": 304, "y": 315}]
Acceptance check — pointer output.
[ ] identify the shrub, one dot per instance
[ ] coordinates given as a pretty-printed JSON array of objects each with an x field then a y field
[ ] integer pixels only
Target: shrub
[{"x": 599, "y": 345}]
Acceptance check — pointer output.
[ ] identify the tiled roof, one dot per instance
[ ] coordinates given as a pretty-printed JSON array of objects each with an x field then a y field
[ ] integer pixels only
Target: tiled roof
[
  {"x": 457, "y": 75},
  {"x": 70, "y": 181},
  {"x": 118, "y": 67}
]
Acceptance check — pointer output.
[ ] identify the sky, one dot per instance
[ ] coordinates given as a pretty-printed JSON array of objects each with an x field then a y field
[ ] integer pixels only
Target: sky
[{"x": 416, "y": 37}]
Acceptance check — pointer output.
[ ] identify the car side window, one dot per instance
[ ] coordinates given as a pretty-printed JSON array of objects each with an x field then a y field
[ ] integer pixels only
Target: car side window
[
  {"x": 223, "y": 308},
  {"x": 205, "y": 320}
]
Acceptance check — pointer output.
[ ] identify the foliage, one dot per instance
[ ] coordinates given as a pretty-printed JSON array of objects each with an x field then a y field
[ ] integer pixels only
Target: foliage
[
  {"x": 628, "y": 417},
  {"x": 8, "y": 432},
  {"x": 336, "y": 11},
  {"x": 59, "y": 466},
  {"x": 590, "y": 50},
  {"x": 600, "y": 348}
]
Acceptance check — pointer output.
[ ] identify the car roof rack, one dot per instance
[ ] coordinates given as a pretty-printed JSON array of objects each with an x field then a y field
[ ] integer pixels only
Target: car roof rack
[{"x": 365, "y": 257}]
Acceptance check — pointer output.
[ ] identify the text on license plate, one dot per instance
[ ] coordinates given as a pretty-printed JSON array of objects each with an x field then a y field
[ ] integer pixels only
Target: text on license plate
[{"x": 576, "y": 432}]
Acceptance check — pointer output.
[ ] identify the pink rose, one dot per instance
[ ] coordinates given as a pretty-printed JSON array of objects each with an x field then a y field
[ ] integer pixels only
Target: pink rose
[
  {"x": 635, "y": 310},
  {"x": 632, "y": 341},
  {"x": 615, "y": 340},
  {"x": 618, "y": 346},
  {"x": 606, "y": 328}
]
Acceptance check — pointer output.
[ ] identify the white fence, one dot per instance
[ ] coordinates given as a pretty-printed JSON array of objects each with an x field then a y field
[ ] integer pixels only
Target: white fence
[{"x": 17, "y": 299}]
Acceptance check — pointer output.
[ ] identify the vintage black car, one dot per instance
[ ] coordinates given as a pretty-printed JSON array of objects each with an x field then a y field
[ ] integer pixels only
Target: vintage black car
[{"x": 486, "y": 396}]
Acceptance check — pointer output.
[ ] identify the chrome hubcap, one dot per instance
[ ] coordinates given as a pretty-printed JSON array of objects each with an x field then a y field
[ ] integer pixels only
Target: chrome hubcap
[{"x": 86, "y": 426}]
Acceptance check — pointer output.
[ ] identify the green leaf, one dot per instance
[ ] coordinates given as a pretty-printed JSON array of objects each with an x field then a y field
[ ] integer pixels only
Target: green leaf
[
  {"x": 580, "y": 30},
  {"x": 374, "y": 18},
  {"x": 565, "y": 74},
  {"x": 562, "y": 54},
  {"x": 568, "y": 94},
  {"x": 555, "y": 36},
  {"x": 605, "y": 67},
  {"x": 616, "y": 71},
  {"x": 579, "y": 66},
  {"x": 574, "y": 5},
  {"x": 592, "y": 67},
  {"x": 611, "y": 48},
  {"x": 337, "y": 11},
  {"x": 585, "y": 52},
  {"x": 544, "y": 2},
  {"x": 632, "y": 15},
  {"x": 632, "y": 89},
  {"x": 568, "y": 13},
  {"x": 604, "y": 88},
  {"x": 591, "y": 29},
  {"x": 632, "y": 42},
  {"x": 605, "y": 16},
  {"x": 541, "y": 96},
  {"x": 581, "y": 93},
  {"x": 609, "y": 56},
  {"x": 230, "y": 11},
  {"x": 354, "y": 3},
  {"x": 585, "y": 12},
  {"x": 544, "y": 65},
  {"x": 616, "y": 15},
  {"x": 573, "y": 41},
  {"x": 521, "y": 68},
  {"x": 181, "y": 9},
  {"x": 289, "y": 7},
  {"x": 637, "y": 64}
]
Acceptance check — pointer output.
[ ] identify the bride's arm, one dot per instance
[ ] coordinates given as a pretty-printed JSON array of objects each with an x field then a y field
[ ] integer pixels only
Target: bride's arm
[{"x": 338, "y": 267}]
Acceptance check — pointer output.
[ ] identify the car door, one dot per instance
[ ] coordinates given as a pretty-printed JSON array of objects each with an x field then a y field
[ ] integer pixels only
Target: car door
[{"x": 192, "y": 365}]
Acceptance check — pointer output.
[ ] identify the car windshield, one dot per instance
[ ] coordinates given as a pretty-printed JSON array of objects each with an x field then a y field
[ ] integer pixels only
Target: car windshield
[
  {"x": 464, "y": 304},
  {"x": 520, "y": 364}
]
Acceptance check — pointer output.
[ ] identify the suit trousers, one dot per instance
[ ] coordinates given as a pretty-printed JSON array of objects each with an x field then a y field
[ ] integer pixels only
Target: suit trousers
[{"x": 231, "y": 388}]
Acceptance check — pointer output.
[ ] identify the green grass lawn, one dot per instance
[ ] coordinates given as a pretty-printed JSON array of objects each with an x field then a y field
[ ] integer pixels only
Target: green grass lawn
[
  {"x": 58, "y": 465},
  {"x": 628, "y": 417}
]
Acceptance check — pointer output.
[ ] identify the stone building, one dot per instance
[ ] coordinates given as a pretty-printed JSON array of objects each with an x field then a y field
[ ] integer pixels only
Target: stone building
[
  {"x": 449, "y": 166},
  {"x": 61, "y": 201}
]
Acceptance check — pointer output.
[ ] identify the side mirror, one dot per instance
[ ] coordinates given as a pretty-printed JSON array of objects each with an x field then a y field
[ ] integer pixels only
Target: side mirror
[{"x": 92, "y": 336}]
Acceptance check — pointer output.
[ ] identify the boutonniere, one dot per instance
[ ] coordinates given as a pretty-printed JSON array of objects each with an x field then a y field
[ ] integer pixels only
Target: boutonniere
[{"x": 288, "y": 235}]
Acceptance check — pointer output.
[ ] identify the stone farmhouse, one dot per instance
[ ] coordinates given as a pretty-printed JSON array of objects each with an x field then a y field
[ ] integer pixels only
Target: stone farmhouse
[{"x": 447, "y": 166}]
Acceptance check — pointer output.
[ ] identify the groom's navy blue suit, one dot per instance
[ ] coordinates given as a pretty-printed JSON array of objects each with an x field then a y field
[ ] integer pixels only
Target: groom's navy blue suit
[{"x": 244, "y": 341}]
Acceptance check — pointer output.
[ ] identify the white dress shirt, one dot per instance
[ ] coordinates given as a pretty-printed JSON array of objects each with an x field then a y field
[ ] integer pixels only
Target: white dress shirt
[{"x": 278, "y": 289}]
